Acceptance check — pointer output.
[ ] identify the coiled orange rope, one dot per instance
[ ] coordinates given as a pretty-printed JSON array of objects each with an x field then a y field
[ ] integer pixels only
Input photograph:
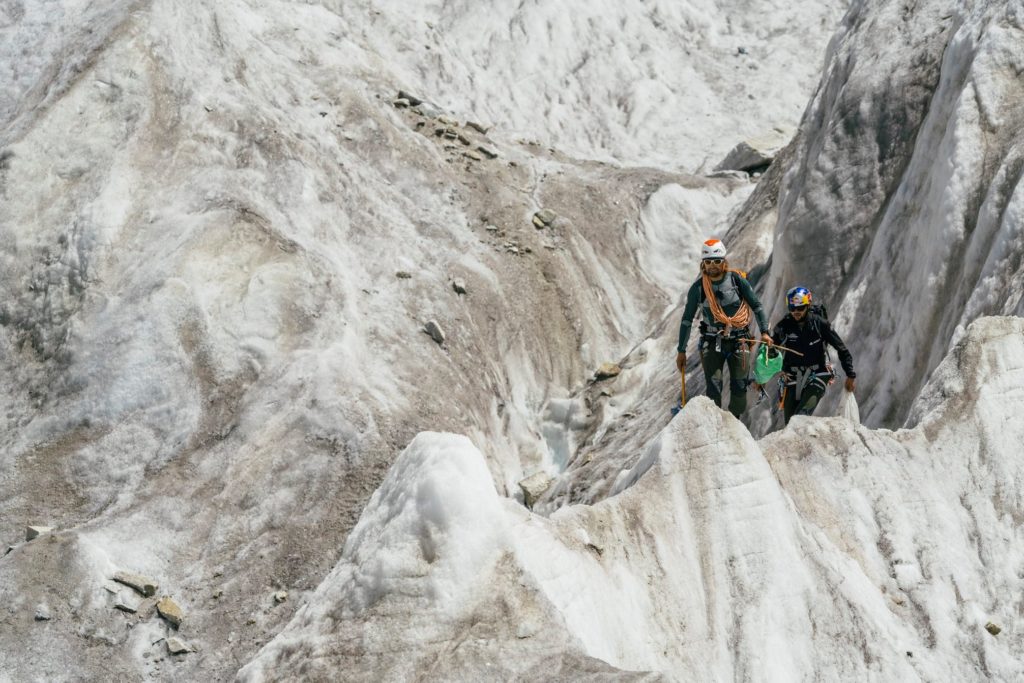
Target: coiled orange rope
[{"x": 740, "y": 319}]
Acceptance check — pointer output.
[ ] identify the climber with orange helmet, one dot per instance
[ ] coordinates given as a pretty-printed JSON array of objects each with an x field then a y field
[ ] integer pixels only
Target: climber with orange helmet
[
  {"x": 805, "y": 377},
  {"x": 726, "y": 301}
]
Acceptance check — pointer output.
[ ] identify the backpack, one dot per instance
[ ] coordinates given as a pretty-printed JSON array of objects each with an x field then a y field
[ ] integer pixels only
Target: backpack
[
  {"x": 733, "y": 273},
  {"x": 822, "y": 312}
]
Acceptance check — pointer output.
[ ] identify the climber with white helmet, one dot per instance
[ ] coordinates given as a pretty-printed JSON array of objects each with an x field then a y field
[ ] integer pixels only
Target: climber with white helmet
[
  {"x": 726, "y": 301},
  {"x": 806, "y": 330}
]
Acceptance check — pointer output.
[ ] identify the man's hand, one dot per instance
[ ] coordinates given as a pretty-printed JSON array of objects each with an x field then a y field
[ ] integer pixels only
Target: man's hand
[
  {"x": 850, "y": 383},
  {"x": 680, "y": 361},
  {"x": 766, "y": 338}
]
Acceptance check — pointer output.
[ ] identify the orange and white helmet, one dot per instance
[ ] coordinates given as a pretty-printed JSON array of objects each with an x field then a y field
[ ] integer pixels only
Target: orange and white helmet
[{"x": 712, "y": 249}]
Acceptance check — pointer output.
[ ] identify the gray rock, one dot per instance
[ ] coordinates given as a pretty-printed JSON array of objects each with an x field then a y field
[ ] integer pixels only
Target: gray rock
[
  {"x": 459, "y": 285},
  {"x": 401, "y": 103},
  {"x": 478, "y": 127},
  {"x": 169, "y": 610},
  {"x": 176, "y": 646},
  {"x": 738, "y": 175},
  {"x": 756, "y": 152},
  {"x": 448, "y": 121},
  {"x": 280, "y": 596},
  {"x": 534, "y": 486},
  {"x": 487, "y": 151},
  {"x": 428, "y": 110},
  {"x": 403, "y": 275},
  {"x": 472, "y": 155},
  {"x": 545, "y": 216},
  {"x": 127, "y": 604},
  {"x": 607, "y": 370},
  {"x": 435, "y": 331},
  {"x": 993, "y": 628},
  {"x": 32, "y": 532},
  {"x": 142, "y": 584},
  {"x": 410, "y": 98},
  {"x": 42, "y": 613}
]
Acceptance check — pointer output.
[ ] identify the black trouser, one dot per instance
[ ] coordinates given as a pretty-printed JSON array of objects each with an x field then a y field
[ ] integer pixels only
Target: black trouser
[
  {"x": 713, "y": 359},
  {"x": 802, "y": 400}
]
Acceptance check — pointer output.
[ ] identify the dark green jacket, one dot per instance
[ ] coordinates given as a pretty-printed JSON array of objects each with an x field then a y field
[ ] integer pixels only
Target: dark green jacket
[{"x": 730, "y": 291}]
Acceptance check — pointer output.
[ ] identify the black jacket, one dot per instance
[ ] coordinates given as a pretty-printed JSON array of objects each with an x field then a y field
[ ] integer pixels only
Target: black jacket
[{"x": 809, "y": 338}]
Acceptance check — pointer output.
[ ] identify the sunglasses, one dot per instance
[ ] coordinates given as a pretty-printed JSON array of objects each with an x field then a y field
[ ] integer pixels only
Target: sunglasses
[
  {"x": 798, "y": 308},
  {"x": 714, "y": 261}
]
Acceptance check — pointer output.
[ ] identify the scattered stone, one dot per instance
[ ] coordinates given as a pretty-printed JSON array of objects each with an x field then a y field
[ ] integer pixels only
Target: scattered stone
[
  {"x": 545, "y": 216},
  {"x": 280, "y": 596},
  {"x": 607, "y": 370},
  {"x": 143, "y": 585},
  {"x": 478, "y": 127},
  {"x": 489, "y": 153},
  {"x": 42, "y": 613},
  {"x": 514, "y": 250},
  {"x": 993, "y": 629},
  {"x": 605, "y": 392},
  {"x": 170, "y": 611},
  {"x": 755, "y": 153},
  {"x": 10, "y": 549},
  {"x": 741, "y": 50},
  {"x": 127, "y": 604},
  {"x": 428, "y": 110},
  {"x": 403, "y": 275},
  {"x": 738, "y": 175},
  {"x": 534, "y": 486},
  {"x": 147, "y": 607},
  {"x": 435, "y": 331},
  {"x": 401, "y": 103},
  {"x": 176, "y": 646},
  {"x": 450, "y": 134},
  {"x": 35, "y": 531},
  {"x": 473, "y": 155},
  {"x": 463, "y": 139},
  {"x": 492, "y": 228},
  {"x": 410, "y": 98},
  {"x": 448, "y": 121},
  {"x": 459, "y": 285},
  {"x": 538, "y": 223}
]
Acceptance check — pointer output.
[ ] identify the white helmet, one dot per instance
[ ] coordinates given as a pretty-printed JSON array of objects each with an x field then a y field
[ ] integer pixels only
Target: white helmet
[{"x": 712, "y": 249}]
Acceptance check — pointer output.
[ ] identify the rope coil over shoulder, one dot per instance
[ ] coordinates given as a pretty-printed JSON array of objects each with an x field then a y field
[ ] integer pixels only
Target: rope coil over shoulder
[{"x": 742, "y": 317}]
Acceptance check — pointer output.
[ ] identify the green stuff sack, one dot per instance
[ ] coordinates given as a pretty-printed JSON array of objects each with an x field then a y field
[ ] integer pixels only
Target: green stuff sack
[{"x": 766, "y": 365}]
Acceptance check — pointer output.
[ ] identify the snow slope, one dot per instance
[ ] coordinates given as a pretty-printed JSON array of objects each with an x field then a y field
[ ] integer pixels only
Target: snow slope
[{"x": 827, "y": 551}]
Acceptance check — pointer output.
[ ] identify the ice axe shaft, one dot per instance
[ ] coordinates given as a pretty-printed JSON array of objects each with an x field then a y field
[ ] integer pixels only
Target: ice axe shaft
[{"x": 774, "y": 346}]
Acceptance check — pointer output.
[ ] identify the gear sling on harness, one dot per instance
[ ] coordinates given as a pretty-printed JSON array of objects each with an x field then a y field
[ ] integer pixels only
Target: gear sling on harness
[{"x": 801, "y": 378}]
